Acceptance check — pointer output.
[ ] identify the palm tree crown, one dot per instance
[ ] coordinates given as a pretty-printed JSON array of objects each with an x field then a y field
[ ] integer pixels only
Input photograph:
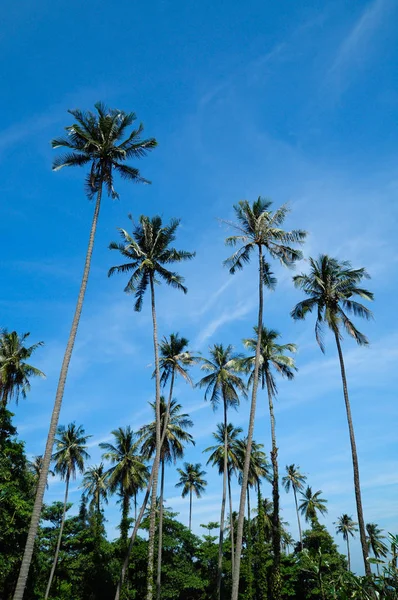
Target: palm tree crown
[
  {"x": 311, "y": 504},
  {"x": 191, "y": 480},
  {"x": 332, "y": 286},
  {"x": 272, "y": 355},
  {"x": 15, "y": 372},
  {"x": 175, "y": 358},
  {"x": 346, "y": 526},
  {"x": 70, "y": 451},
  {"x": 293, "y": 479},
  {"x": 259, "y": 467},
  {"x": 148, "y": 250},
  {"x": 216, "y": 457},
  {"x": 98, "y": 139},
  {"x": 176, "y": 435},
  {"x": 223, "y": 381},
  {"x": 95, "y": 485},
  {"x": 374, "y": 540}
]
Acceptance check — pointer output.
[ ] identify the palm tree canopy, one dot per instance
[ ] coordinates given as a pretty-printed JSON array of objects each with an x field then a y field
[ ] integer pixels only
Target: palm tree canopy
[
  {"x": 191, "y": 480},
  {"x": 216, "y": 457},
  {"x": 272, "y": 355},
  {"x": 331, "y": 287},
  {"x": 312, "y": 503},
  {"x": 174, "y": 357},
  {"x": 176, "y": 435},
  {"x": 70, "y": 450},
  {"x": 293, "y": 478},
  {"x": 148, "y": 250},
  {"x": 346, "y": 526},
  {"x": 15, "y": 372},
  {"x": 223, "y": 381},
  {"x": 101, "y": 139},
  {"x": 129, "y": 474},
  {"x": 259, "y": 226},
  {"x": 259, "y": 467},
  {"x": 95, "y": 484},
  {"x": 374, "y": 540}
]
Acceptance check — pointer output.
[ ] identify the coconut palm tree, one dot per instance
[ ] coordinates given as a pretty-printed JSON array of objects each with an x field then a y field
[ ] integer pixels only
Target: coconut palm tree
[
  {"x": 174, "y": 359},
  {"x": 35, "y": 467},
  {"x": 311, "y": 504},
  {"x": 374, "y": 541},
  {"x": 149, "y": 252},
  {"x": 69, "y": 456},
  {"x": 15, "y": 372},
  {"x": 217, "y": 459},
  {"x": 294, "y": 480},
  {"x": 95, "y": 486},
  {"x": 129, "y": 473},
  {"x": 258, "y": 229},
  {"x": 191, "y": 481},
  {"x": 332, "y": 287},
  {"x": 273, "y": 357},
  {"x": 98, "y": 140},
  {"x": 176, "y": 436},
  {"x": 347, "y": 527},
  {"x": 222, "y": 384}
]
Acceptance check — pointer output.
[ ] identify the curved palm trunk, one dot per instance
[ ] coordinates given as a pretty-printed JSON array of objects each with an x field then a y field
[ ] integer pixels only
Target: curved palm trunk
[
  {"x": 276, "y": 530},
  {"x": 245, "y": 474},
  {"x": 160, "y": 542},
  {"x": 223, "y": 500},
  {"x": 249, "y": 593},
  {"x": 231, "y": 523},
  {"x": 34, "y": 523},
  {"x": 190, "y": 509},
  {"x": 298, "y": 518},
  {"x": 124, "y": 527},
  {"x": 348, "y": 554},
  {"x": 152, "y": 521},
  {"x": 50, "y": 579},
  {"x": 357, "y": 486}
]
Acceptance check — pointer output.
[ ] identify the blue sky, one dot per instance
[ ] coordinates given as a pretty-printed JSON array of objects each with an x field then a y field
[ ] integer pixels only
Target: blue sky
[{"x": 296, "y": 101}]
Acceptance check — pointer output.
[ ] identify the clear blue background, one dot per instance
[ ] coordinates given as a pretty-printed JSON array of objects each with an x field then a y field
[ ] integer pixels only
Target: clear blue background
[{"x": 294, "y": 100}]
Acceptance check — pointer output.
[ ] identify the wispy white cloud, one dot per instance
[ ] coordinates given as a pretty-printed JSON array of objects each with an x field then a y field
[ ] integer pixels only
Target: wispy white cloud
[{"x": 241, "y": 310}]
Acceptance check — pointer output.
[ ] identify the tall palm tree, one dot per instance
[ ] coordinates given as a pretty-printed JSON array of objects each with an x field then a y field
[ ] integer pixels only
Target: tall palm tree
[
  {"x": 129, "y": 473},
  {"x": 174, "y": 359},
  {"x": 149, "y": 252},
  {"x": 176, "y": 436},
  {"x": 35, "y": 467},
  {"x": 294, "y": 480},
  {"x": 94, "y": 139},
  {"x": 258, "y": 229},
  {"x": 331, "y": 287},
  {"x": 374, "y": 541},
  {"x": 191, "y": 481},
  {"x": 95, "y": 486},
  {"x": 15, "y": 372},
  {"x": 69, "y": 456},
  {"x": 347, "y": 527},
  {"x": 217, "y": 459},
  {"x": 222, "y": 384},
  {"x": 273, "y": 357},
  {"x": 311, "y": 503}
]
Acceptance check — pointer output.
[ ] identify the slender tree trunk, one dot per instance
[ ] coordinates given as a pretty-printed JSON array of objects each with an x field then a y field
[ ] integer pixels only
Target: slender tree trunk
[
  {"x": 136, "y": 527},
  {"x": 160, "y": 541},
  {"x": 152, "y": 520},
  {"x": 348, "y": 554},
  {"x": 298, "y": 518},
  {"x": 34, "y": 523},
  {"x": 357, "y": 486},
  {"x": 160, "y": 544},
  {"x": 124, "y": 528},
  {"x": 135, "y": 506},
  {"x": 190, "y": 509},
  {"x": 231, "y": 519},
  {"x": 249, "y": 593},
  {"x": 50, "y": 579},
  {"x": 245, "y": 474},
  {"x": 276, "y": 529},
  {"x": 223, "y": 500}
]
